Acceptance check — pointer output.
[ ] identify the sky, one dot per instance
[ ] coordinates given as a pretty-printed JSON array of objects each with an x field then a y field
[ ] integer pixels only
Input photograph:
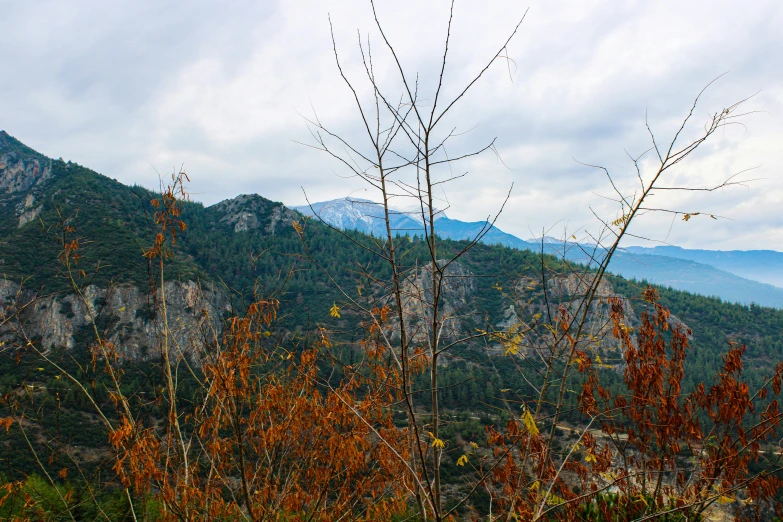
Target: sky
[{"x": 136, "y": 89}]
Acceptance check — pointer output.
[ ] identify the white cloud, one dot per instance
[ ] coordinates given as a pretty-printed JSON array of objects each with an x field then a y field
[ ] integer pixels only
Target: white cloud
[{"x": 123, "y": 86}]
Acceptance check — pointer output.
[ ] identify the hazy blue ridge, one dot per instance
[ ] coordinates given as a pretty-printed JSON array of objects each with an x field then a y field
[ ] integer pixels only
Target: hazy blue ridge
[
  {"x": 677, "y": 273},
  {"x": 698, "y": 278},
  {"x": 765, "y": 266}
]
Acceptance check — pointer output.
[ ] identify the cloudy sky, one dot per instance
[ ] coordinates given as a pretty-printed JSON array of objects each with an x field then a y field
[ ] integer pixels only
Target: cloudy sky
[{"x": 133, "y": 89}]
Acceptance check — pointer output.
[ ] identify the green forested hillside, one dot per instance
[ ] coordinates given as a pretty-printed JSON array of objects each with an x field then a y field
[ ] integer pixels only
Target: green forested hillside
[{"x": 114, "y": 224}]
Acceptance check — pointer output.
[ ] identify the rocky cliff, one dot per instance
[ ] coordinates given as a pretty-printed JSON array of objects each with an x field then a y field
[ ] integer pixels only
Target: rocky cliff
[
  {"x": 23, "y": 175},
  {"x": 250, "y": 212},
  {"x": 528, "y": 308},
  {"x": 129, "y": 318}
]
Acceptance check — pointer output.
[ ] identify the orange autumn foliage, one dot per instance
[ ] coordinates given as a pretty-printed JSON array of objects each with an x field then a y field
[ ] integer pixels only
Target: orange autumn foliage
[{"x": 270, "y": 436}]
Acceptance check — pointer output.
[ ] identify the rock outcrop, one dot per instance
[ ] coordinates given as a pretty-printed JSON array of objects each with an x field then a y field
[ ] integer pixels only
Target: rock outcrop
[
  {"x": 18, "y": 175},
  {"x": 455, "y": 313},
  {"x": 251, "y": 211},
  {"x": 22, "y": 177},
  {"x": 129, "y": 318}
]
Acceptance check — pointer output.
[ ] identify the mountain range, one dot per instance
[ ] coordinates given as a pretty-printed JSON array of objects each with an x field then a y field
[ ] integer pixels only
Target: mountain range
[
  {"x": 246, "y": 246},
  {"x": 745, "y": 277}
]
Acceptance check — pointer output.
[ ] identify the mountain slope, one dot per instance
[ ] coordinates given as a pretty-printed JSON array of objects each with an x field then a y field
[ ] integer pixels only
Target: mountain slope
[
  {"x": 368, "y": 217},
  {"x": 39, "y": 195},
  {"x": 696, "y": 278}
]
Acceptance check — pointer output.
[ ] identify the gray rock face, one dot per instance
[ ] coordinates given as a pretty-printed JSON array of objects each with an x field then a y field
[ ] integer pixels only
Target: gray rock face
[
  {"x": 510, "y": 318},
  {"x": 456, "y": 306},
  {"x": 533, "y": 306},
  {"x": 525, "y": 312},
  {"x": 251, "y": 211},
  {"x": 129, "y": 318},
  {"x": 529, "y": 313},
  {"x": 244, "y": 221},
  {"x": 18, "y": 175},
  {"x": 28, "y": 211},
  {"x": 21, "y": 179}
]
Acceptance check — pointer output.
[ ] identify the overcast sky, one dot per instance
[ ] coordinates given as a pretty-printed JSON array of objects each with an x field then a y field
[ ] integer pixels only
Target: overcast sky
[{"x": 130, "y": 89}]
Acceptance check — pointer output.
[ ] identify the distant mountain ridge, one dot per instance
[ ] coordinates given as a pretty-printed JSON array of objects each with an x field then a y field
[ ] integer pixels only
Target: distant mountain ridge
[
  {"x": 735, "y": 276},
  {"x": 361, "y": 215},
  {"x": 760, "y": 265}
]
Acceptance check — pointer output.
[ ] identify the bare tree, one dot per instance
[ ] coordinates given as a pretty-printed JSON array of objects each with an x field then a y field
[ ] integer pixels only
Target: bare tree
[{"x": 402, "y": 156}]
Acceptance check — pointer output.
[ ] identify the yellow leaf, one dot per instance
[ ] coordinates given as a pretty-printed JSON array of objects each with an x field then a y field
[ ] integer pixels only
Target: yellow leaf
[
  {"x": 530, "y": 422},
  {"x": 334, "y": 311},
  {"x": 554, "y": 500},
  {"x": 511, "y": 340},
  {"x": 723, "y": 499},
  {"x": 122, "y": 309},
  {"x": 437, "y": 443},
  {"x": 297, "y": 227},
  {"x": 462, "y": 460},
  {"x": 609, "y": 476},
  {"x": 621, "y": 220},
  {"x": 474, "y": 445},
  {"x": 590, "y": 458},
  {"x": 600, "y": 362},
  {"x": 534, "y": 486}
]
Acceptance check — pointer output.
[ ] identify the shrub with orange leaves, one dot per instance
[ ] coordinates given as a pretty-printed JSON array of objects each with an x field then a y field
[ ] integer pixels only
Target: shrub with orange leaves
[
  {"x": 653, "y": 451},
  {"x": 682, "y": 452}
]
